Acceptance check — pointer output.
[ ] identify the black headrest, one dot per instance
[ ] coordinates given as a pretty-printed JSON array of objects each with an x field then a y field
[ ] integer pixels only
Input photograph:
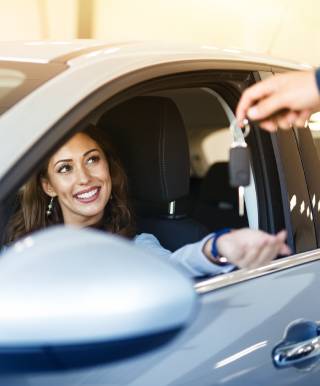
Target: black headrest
[
  {"x": 149, "y": 135},
  {"x": 215, "y": 186}
]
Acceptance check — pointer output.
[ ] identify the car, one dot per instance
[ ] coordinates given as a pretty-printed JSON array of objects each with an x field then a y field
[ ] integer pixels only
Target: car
[{"x": 82, "y": 308}]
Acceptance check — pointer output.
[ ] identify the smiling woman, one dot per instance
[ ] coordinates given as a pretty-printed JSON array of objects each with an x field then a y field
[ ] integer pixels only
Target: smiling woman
[
  {"x": 84, "y": 185},
  {"x": 74, "y": 187}
]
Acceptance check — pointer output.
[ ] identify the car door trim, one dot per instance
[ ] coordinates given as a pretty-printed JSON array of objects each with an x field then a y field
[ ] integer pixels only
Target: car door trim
[{"x": 225, "y": 280}]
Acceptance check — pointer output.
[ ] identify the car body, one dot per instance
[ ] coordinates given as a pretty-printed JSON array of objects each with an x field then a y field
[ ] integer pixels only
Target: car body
[{"x": 51, "y": 89}]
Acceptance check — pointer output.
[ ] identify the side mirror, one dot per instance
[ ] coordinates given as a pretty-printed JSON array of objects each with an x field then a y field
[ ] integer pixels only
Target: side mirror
[{"x": 72, "y": 298}]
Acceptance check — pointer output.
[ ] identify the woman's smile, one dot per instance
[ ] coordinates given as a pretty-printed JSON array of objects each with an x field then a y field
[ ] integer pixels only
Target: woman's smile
[{"x": 88, "y": 195}]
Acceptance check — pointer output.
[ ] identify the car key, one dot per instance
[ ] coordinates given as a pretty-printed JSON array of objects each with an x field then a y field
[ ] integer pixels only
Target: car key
[{"x": 239, "y": 167}]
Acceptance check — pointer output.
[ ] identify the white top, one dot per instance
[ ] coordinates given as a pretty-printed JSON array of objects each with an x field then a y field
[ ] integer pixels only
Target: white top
[{"x": 189, "y": 257}]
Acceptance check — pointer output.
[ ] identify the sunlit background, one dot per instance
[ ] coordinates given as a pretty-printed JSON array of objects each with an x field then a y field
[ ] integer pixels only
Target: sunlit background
[{"x": 283, "y": 28}]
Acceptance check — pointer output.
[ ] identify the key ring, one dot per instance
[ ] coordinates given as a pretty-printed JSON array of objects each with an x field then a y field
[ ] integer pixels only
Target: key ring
[{"x": 246, "y": 131}]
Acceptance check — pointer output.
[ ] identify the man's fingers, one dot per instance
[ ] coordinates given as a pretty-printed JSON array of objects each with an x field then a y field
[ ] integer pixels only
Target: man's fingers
[
  {"x": 251, "y": 95},
  {"x": 269, "y": 125},
  {"x": 266, "y": 107},
  {"x": 284, "y": 123},
  {"x": 286, "y": 120},
  {"x": 301, "y": 118},
  {"x": 292, "y": 116}
]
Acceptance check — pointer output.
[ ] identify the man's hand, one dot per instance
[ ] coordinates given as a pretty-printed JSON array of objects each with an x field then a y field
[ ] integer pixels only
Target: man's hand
[
  {"x": 248, "y": 248},
  {"x": 283, "y": 100}
]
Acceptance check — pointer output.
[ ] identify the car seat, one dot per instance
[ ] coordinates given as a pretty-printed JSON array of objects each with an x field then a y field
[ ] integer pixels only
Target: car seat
[
  {"x": 150, "y": 138},
  {"x": 217, "y": 203}
]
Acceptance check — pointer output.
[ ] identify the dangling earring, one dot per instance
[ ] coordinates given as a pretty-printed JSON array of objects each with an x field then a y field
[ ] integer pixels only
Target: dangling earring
[{"x": 50, "y": 205}]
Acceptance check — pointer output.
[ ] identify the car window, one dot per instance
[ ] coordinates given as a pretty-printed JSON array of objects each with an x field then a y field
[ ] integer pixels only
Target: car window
[
  {"x": 295, "y": 195},
  {"x": 207, "y": 114},
  {"x": 308, "y": 140},
  {"x": 211, "y": 201}
]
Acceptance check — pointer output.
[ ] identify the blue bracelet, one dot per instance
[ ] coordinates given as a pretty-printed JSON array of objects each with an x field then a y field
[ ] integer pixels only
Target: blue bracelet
[
  {"x": 318, "y": 78},
  {"x": 214, "y": 249}
]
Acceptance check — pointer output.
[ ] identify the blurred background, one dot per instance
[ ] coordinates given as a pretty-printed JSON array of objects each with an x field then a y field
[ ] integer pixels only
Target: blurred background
[{"x": 283, "y": 28}]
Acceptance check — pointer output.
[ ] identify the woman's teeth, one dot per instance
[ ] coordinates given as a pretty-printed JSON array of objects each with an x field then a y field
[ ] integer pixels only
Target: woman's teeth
[{"x": 89, "y": 194}]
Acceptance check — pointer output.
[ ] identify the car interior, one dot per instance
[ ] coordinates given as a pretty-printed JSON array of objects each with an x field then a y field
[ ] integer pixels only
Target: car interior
[
  {"x": 176, "y": 159},
  {"x": 174, "y": 146}
]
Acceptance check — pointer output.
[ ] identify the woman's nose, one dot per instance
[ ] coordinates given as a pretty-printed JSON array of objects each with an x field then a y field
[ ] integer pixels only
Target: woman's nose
[{"x": 83, "y": 175}]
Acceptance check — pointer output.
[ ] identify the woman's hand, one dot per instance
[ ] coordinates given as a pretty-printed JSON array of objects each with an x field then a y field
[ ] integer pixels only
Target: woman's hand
[{"x": 248, "y": 248}]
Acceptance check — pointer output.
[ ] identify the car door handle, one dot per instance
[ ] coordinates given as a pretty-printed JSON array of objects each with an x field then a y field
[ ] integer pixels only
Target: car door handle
[
  {"x": 295, "y": 353},
  {"x": 301, "y": 343}
]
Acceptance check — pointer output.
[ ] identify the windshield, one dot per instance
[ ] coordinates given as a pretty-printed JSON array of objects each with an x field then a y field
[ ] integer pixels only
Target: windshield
[{"x": 18, "y": 79}]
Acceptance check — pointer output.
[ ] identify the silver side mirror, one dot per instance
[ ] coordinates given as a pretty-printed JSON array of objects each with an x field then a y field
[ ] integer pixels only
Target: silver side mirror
[{"x": 71, "y": 298}]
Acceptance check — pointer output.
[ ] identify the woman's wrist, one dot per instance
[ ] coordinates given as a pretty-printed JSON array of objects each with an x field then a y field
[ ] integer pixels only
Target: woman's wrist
[{"x": 212, "y": 251}]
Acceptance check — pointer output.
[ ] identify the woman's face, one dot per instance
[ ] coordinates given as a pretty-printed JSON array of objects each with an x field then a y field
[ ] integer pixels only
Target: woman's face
[{"x": 78, "y": 175}]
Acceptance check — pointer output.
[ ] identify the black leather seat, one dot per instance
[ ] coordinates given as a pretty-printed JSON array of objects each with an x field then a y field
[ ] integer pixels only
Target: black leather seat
[
  {"x": 217, "y": 203},
  {"x": 149, "y": 135}
]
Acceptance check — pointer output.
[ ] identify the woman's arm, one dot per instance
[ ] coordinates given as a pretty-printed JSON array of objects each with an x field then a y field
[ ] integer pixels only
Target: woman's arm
[
  {"x": 244, "y": 248},
  {"x": 248, "y": 248}
]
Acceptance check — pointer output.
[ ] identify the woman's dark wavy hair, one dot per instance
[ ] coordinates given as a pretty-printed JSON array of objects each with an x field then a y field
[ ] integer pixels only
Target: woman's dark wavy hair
[{"x": 32, "y": 216}]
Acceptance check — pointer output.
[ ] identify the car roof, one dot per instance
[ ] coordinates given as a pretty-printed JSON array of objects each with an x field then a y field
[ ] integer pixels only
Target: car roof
[
  {"x": 43, "y": 51},
  {"x": 74, "y": 52}
]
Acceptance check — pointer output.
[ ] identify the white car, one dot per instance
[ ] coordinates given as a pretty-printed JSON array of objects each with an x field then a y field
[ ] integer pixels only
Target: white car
[{"x": 81, "y": 308}]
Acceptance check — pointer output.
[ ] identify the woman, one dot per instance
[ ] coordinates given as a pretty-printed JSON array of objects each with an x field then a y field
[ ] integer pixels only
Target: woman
[{"x": 83, "y": 184}]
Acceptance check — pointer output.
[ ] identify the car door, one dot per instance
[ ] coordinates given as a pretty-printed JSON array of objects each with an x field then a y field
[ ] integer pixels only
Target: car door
[{"x": 243, "y": 315}]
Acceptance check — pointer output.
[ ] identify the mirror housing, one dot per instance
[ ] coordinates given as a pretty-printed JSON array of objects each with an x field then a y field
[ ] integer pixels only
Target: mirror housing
[{"x": 77, "y": 297}]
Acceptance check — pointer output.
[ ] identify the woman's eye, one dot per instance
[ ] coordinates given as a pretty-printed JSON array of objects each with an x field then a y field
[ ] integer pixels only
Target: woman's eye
[
  {"x": 94, "y": 159},
  {"x": 64, "y": 168}
]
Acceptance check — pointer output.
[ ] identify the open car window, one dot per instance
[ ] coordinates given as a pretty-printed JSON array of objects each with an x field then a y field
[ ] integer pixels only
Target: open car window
[{"x": 208, "y": 200}]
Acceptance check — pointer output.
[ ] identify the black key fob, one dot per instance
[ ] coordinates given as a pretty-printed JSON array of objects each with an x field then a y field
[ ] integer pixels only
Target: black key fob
[{"x": 239, "y": 165}]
